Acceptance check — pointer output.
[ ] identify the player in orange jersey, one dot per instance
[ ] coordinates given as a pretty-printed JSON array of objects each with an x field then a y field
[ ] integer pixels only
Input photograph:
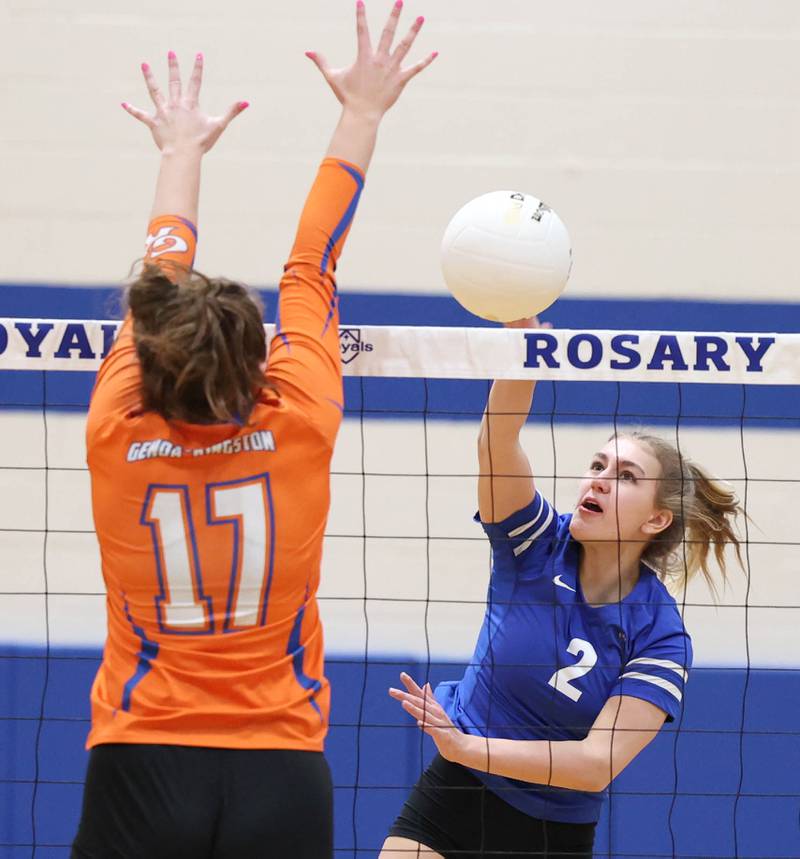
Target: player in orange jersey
[{"x": 210, "y": 462}]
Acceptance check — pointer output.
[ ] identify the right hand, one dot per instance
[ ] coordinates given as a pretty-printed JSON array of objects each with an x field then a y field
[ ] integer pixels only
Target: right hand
[
  {"x": 373, "y": 83},
  {"x": 178, "y": 123},
  {"x": 530, "y": 322}
]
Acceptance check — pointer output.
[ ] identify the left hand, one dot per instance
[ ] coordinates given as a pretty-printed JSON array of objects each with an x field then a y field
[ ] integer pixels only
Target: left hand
[
  {"x": 374, "y": 82},
  {"x": 531, "y": 322},
  {"x": 420, "y": 704}
]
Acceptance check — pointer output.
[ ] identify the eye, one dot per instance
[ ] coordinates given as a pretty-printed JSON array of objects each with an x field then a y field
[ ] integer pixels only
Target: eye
[
  {"x": 627, "y": 476},
  {"x": 596, "y": 466}
]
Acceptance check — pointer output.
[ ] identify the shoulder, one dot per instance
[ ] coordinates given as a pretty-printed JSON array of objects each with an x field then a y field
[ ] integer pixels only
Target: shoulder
[
  {"x": 657, "y": 619},
  {"x": 526, "y": 525},
  {"x": 526, "y": 539},
  {"x": 654, "y": 596},
  {"x": 117, "y": 387}
]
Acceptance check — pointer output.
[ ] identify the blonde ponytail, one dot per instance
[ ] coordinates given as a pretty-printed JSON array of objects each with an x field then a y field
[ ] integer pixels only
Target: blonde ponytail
[{"x": 704, "y": 512}]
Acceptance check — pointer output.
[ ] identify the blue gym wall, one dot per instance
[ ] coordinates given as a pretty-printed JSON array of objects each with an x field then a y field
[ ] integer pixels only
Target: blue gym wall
[{"x": 729, "y": 785}]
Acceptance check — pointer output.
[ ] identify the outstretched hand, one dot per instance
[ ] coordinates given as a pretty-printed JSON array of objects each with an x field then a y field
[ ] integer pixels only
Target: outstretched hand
[
  {"x": 420, "y": 704},
  {"x": 178, "y": 122},
  {"x": 531, "y": 322},
  {"x": 373, "y": 83}
]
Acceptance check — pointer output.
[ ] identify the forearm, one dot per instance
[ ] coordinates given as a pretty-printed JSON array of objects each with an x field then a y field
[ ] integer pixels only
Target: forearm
[
  {"x": 354, "y": 137},
  {"x": 505, "y": 481},
  {"x": 571, "y": 764},
  {"x": 507, "y": 409},
  {"x": 178, "y": 184},
  {"x": 326, "y": 218}
]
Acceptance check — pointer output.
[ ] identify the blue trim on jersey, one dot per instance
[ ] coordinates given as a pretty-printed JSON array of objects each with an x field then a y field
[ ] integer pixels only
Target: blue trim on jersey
[
  {"x": 155, "y": 535},
  {"x": 346, "y": 219},
  {"x": 546, "y": 661},
  {"x": 148, "y": 652},
  {"x": 235, "y": 521},
  {"x": 187, "y": 223},
  {"x": 336, "y": 403},
  {"x": 332, "y": 309},
  {"x": 297, "y": 651},
  {"x": 278, "y": 331},
  {"x": 339, "y": 231}
]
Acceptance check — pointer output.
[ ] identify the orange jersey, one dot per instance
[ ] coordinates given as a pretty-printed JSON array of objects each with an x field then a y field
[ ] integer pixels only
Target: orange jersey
[{"x": 211, "y": 536}]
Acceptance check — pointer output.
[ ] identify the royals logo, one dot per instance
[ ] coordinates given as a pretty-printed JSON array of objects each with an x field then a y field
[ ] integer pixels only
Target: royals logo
[{"x": 351, "y": 345}]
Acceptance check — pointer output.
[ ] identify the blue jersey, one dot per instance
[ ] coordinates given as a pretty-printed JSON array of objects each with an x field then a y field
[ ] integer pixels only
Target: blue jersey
[{"x": 546, "y": 662}]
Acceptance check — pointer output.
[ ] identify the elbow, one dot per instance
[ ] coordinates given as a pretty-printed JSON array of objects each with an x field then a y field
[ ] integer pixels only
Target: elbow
[
  {"x": 596, "y": 770},
  {"x": 585, "y": 769},
  {"x": 587, "y": 781}
]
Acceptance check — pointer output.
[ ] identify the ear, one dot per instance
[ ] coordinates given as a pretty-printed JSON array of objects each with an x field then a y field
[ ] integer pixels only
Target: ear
[{"x": 658, "y": 521}]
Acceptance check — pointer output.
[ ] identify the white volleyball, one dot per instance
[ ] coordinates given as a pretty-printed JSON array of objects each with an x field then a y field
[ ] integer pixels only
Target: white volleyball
[{"x": 506, "y": 256}]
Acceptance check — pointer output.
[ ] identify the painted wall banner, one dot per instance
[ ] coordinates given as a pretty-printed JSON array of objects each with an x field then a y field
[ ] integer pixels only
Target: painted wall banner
[{"x": 471, "y": 353}]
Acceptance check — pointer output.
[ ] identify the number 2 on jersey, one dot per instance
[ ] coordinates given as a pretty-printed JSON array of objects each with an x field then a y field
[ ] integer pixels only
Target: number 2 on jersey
[
  {"x": 587, "y": 659},
  {"x": 245, "y": 506}
]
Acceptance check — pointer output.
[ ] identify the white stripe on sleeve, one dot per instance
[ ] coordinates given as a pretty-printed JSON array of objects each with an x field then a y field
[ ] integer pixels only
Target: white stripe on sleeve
[
  {"x": 656, "y": 681},
  {"x": 523, "y": 546},
  {"x": 517, "y": 531},
  {"x": 662, "y": 663}
]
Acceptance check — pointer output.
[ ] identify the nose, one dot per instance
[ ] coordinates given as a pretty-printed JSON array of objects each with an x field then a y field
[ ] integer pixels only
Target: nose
[{"x": 600, "y": 484}]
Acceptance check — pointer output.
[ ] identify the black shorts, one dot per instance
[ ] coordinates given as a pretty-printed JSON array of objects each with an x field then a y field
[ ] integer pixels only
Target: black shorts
[
  {"x": 455, "y": 814},
  {"x": 183, "y": 802}
]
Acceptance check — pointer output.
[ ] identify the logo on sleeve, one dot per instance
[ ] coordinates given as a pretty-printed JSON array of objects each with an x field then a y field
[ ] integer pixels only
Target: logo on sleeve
[
  {"x": 351, "y": 345},
  {"x": 164, "y": 242}
]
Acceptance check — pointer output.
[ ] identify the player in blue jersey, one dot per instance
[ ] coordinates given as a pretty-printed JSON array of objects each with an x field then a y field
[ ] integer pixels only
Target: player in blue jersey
[{"x": 583, "y": 654}]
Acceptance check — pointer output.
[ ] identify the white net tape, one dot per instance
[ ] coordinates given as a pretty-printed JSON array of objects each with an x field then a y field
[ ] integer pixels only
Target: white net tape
[{"x": 471, "y": 353}]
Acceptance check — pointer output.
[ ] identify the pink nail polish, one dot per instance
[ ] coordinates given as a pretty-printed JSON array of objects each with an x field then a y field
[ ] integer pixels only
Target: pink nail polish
[
  {"x": 420, "y": 21},
  {"x": 360, "y": 4},
  {"x": 171, "y": 55},
  {"x": 199, "y": 58},
  {"x": 145, "y": 67},
  {"x": 398, "y": 4},
  {"x": 243, "y": 105},
  {"x": 435, "y": 54},
  {"x": 124, "y": 104},
  {"x": 310, "y": 55}
]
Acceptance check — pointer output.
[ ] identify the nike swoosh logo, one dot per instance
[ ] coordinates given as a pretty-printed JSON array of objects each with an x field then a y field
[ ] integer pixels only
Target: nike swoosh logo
[{"x": 557, "y": 581}]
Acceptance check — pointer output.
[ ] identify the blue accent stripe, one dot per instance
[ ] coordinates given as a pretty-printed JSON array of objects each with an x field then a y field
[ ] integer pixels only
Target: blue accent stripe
[
  {"x": 235, "y": 521},
  {"x": 333, "y": 305},
  {"x": 55, "y": 301},
  {"x": 297, "y": 651},
  {"x": 347, "y": 218},
  {"x": 147, "y": 654},
  {"x": 341, "y": 229},
  {"x": 336, "y": 403},
  {"x": 187, "y": 223},
  {"x": 278, "y": 331}
]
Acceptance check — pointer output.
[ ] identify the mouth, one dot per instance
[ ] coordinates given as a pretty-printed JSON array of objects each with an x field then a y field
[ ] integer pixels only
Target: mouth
[{"x": 590, "y": 506}]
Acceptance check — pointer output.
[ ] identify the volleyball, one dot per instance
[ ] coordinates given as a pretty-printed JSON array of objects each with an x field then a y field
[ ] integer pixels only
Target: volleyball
[{"x": 506, "y": 256}]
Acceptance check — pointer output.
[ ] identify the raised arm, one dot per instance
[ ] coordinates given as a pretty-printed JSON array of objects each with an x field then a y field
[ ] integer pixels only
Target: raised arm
[
  {"x": 369, "y": 87},
  {"x": 505, "y": 481},
  {"x": 183, "y": 133},
  {"x": 304, "y": 357}
]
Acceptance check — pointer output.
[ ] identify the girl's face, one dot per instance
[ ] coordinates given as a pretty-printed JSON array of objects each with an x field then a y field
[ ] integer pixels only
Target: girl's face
[{"x": 617, "y": 497}]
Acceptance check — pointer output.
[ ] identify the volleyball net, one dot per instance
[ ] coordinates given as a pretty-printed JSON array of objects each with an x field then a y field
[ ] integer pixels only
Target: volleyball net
[{"x": 405, "y": 568}]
